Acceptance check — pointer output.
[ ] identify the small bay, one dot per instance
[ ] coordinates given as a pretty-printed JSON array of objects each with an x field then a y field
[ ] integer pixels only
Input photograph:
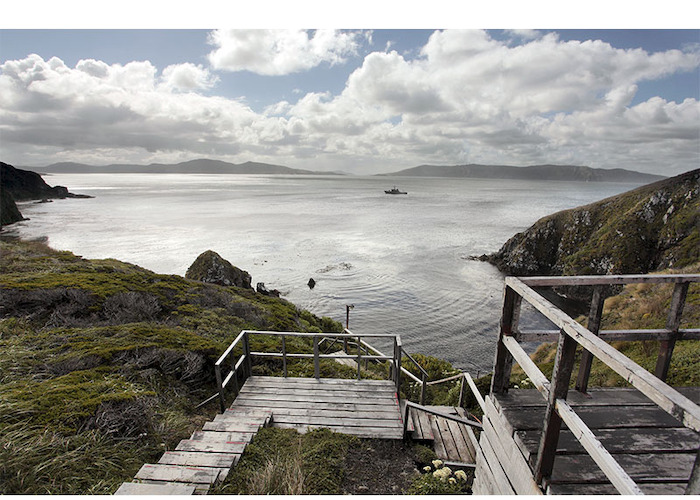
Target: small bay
[{"x": 401, "y": 260}]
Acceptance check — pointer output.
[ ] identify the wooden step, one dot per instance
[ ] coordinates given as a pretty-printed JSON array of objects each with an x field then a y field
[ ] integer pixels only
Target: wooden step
[
  {"x": 200, "y": 459},
  {"x": 155, "y": 489},
  {"x": 227, "y": 437},
  {"x": 180, "y": 473},
  {"x": 211, "y": 447}
]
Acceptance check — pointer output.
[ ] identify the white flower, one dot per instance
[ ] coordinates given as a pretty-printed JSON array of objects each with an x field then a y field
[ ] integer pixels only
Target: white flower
[
  {"x": 452, "y": 480},
  {"x": 427, "y": 468},
  {"x": 448, "y": 471},
  {"x": 437, "y": 463},
  {"x": 461, "y": 475}
]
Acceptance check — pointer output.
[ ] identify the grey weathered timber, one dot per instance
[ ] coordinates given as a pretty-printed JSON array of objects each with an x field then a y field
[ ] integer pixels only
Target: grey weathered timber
[
  {"x": 155, "y": 489},
  {"x": 563, "y": 365},
  {"x": 594, "y": 316},
  {"x": 200, "y": 459},
  {"x": 673, "y": 323},
  {"x": 509, "y": 324},
  {"x": 180, "y": 474},
  {"x": 211, "y": 446}
]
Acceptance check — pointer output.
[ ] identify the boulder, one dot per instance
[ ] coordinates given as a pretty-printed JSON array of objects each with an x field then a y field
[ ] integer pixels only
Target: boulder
[
  {"x": 262, "y": 289},
  {"x": 210, "y": 267},
  {"x": 311, "y": 283}
]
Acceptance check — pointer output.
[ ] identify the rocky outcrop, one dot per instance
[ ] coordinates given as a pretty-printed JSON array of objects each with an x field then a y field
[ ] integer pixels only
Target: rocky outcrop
[
  {"x": 210, "y": 267},
  {"x": 650, "y": 228},
  {"x": 262, "y": 289},
  {"x": 25, "y": 185},
  {"x": 9, "y": 213}
]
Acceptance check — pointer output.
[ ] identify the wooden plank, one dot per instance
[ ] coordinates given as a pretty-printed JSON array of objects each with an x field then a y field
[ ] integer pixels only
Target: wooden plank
[
  {"x": 228, "y": 425},
  {"x": 200, "y": 459},
  {"x": 608, "y": 279},
  {"x": 346, "y": 422},
  {"x": 384, "y": 413},
  {"x": 210, "y": 446},
  {"x": 410, "y": 427},
  {"x": 438, "y": 443},
  {"x": 627, "y": 440},
  {"x": 315, "y": 397},
  {"x": 155, "y": 489},
  {"x": 243, "y": 404},
  {"x": 448, "y": 441},
  {"x": 356, "y": 386},
  {"x": 513, "y": 463},
  {"x": 226, "y": 437},
  {"x": 531, "y": 418},
  {"x": 178, "y": 473},
  {"x": 645, "y": 467},
  {"x": 483, "y": 477},
  {"x": 614, "y": 472},
  {"x": 367, "y": 432},
  {"x": 509, "y": 324},
  {"x": 609, "y": 489},
  {"x": 601, "y": 396},
  {"x": 319, "y": 393},
  {"x": 199, "y": 488},
  {"x": 468, "y": 433},
  {"x": 265, "y": 380},
  {"x": 426, "y": 430},
  {"x": 501, "y": 483},
  {"x": 464, "y": 452}
]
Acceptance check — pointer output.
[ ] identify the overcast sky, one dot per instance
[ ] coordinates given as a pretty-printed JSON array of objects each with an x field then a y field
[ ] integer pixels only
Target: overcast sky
[{"x": 362, "y": 101}]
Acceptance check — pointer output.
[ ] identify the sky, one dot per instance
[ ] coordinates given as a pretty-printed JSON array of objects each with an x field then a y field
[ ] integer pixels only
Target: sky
[{"x": 363, "y": 101}]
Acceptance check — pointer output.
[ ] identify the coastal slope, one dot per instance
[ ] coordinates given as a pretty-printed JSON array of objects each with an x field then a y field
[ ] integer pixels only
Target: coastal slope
[
  {"x": 650, "y": 228},
  {"x": 534, "y": 172}
]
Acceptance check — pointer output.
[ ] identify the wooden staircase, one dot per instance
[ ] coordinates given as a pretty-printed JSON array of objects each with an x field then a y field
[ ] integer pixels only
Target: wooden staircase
[
  {"x": 453, "y": 442},
  {"x": 200, "y": 462}
]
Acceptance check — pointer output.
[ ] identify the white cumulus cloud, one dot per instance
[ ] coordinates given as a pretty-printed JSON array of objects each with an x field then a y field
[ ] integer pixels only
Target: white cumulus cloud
[{"x": 279, "y": 52}]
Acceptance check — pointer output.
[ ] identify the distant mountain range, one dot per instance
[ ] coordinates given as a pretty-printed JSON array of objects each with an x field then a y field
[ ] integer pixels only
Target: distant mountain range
[
  {"x": 201, "y": 166},
  {"x": 535, "y": 172},
  {"x": 205, "y": 166}
]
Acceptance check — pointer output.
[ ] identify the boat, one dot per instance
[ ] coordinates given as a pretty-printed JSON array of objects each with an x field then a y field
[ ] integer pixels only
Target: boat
[{"x": 394, "y": 190}]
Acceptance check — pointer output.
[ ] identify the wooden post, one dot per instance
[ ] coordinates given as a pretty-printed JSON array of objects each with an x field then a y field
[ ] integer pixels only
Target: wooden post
[
  {"x": 397, "y": 364},
  {"x": 563, "y": 366},
  {"x": 693, "y": 487},
  {"x": 594, "y": 316},
  {"x": 317, "y": 367},
  {"x": 220, "y": 387},
  {"x": 284, "y": 356},
  {"x": 680, "y": 291},
  {"x": 509, "y": 326},
  {"x": 359, "y": 359},
  {"x": 460, "y": 402},
  {"x": 246, "y": 353}
]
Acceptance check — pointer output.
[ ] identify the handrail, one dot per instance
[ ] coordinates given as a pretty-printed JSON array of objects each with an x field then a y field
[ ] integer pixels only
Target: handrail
[
  {"x": 410, "y": 404},
  {"x": 571, "y": 334}
]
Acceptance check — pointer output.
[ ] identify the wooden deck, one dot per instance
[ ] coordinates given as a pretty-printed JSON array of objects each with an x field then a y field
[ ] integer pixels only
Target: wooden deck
[
  {"x": 453, "y": 442},
  {"x": 654, "y": 448},
  {"x": 364, "y": 408}
]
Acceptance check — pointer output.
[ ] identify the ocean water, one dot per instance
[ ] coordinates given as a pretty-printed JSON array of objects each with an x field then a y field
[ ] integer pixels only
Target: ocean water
[{"x": 401, "y": 260}]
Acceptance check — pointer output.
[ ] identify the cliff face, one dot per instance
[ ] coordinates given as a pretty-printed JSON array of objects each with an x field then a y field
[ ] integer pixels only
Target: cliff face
[
  {"x": 650, "y": 228},
  {"x": 9, "y": 213}
]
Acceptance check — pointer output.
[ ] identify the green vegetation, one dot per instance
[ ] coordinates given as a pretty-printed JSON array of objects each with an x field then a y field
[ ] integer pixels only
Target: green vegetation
[
  {"x": 643, "y": 306},
  {"x": 102, "y": 364}
]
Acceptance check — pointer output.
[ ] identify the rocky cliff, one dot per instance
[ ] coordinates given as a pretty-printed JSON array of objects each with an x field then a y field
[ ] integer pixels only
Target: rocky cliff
[{"x": 654, "y": 227}]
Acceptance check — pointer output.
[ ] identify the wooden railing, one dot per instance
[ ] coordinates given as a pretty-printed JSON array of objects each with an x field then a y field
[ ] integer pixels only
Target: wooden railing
[
  {"x": 570, "y": 335},
  {"x": 234, "y": 368}
]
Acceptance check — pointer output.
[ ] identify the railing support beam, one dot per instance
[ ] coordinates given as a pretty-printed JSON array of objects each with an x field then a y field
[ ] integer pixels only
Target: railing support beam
[
  {"x": 509, "y": 325},
  {"x": 594, "y": 317},
  {"x": 673, "y": 323}
]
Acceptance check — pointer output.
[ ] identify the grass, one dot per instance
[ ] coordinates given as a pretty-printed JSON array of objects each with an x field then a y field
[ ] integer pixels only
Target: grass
[{"x": 102, "y": 363}]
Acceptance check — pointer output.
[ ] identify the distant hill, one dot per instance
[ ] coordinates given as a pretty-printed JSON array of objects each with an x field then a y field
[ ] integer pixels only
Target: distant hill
[
  {"x": 535, "y": 173},
  {"x": 201, "y": 166},
  {"x": 650, "y": 228}
]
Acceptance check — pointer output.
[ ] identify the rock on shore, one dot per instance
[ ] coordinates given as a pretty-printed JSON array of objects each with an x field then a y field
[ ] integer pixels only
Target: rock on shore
[{"x": 210, "y": 267}]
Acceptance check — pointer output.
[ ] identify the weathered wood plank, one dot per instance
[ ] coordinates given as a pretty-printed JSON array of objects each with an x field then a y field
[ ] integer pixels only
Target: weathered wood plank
[
  {"x": 426, "y": 430},
  {"x": 368, "y": 432},
  {"x": 199, "y": 459},
  {"x": 178, "y": 473},
  {"x": 609, "y": 489},
  {"x": 608, "y": 279},
  {"x": 410, "y": 427},
  {"x": 483, "y": 477},
  {"x": 199, "y": 488},
  {"x": 271, "y": 381},
  {"x": 346, "y": 422},
  {"x": 319, "y": 393},
  {"x": 464, "y": 451},
  {"x": 602, "y": 396},
  {"x": 448, "y": 441},
  {"x": 244, "y": 404},
  {"x": 513, "y": 463},
  {"x": 531, "y": 418},
  {"x": 314, "y": 397},
  {"x": 155, "y": 489},
  {"x": 468, "y": 434},
  {"x": 438, "y": 443},
  {"x": 645, "y": 467},
  {"x": 613, "y": 471},
  {"x": 502, "y": 485},
  {"x": 384, "y": 414},
  {"x": 229, "y": 425},
  {"x": 647, "y": 440},
  {"x": 226, "y": 437},
  {"x": 210, "y": 446}
]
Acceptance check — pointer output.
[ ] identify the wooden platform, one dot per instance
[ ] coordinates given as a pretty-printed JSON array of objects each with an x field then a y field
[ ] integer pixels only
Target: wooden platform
[
  {"x": 651, "y": 446},
  {"x": 364, "y": 408}
]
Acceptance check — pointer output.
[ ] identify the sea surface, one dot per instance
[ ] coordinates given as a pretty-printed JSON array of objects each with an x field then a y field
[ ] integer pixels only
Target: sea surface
[{"x": 401, "y": 260}]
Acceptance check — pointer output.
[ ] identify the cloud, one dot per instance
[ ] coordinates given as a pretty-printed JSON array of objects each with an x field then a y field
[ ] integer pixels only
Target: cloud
[
  {"x": 465, "y": 97},
  {"x": 279, "y": 52}
]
